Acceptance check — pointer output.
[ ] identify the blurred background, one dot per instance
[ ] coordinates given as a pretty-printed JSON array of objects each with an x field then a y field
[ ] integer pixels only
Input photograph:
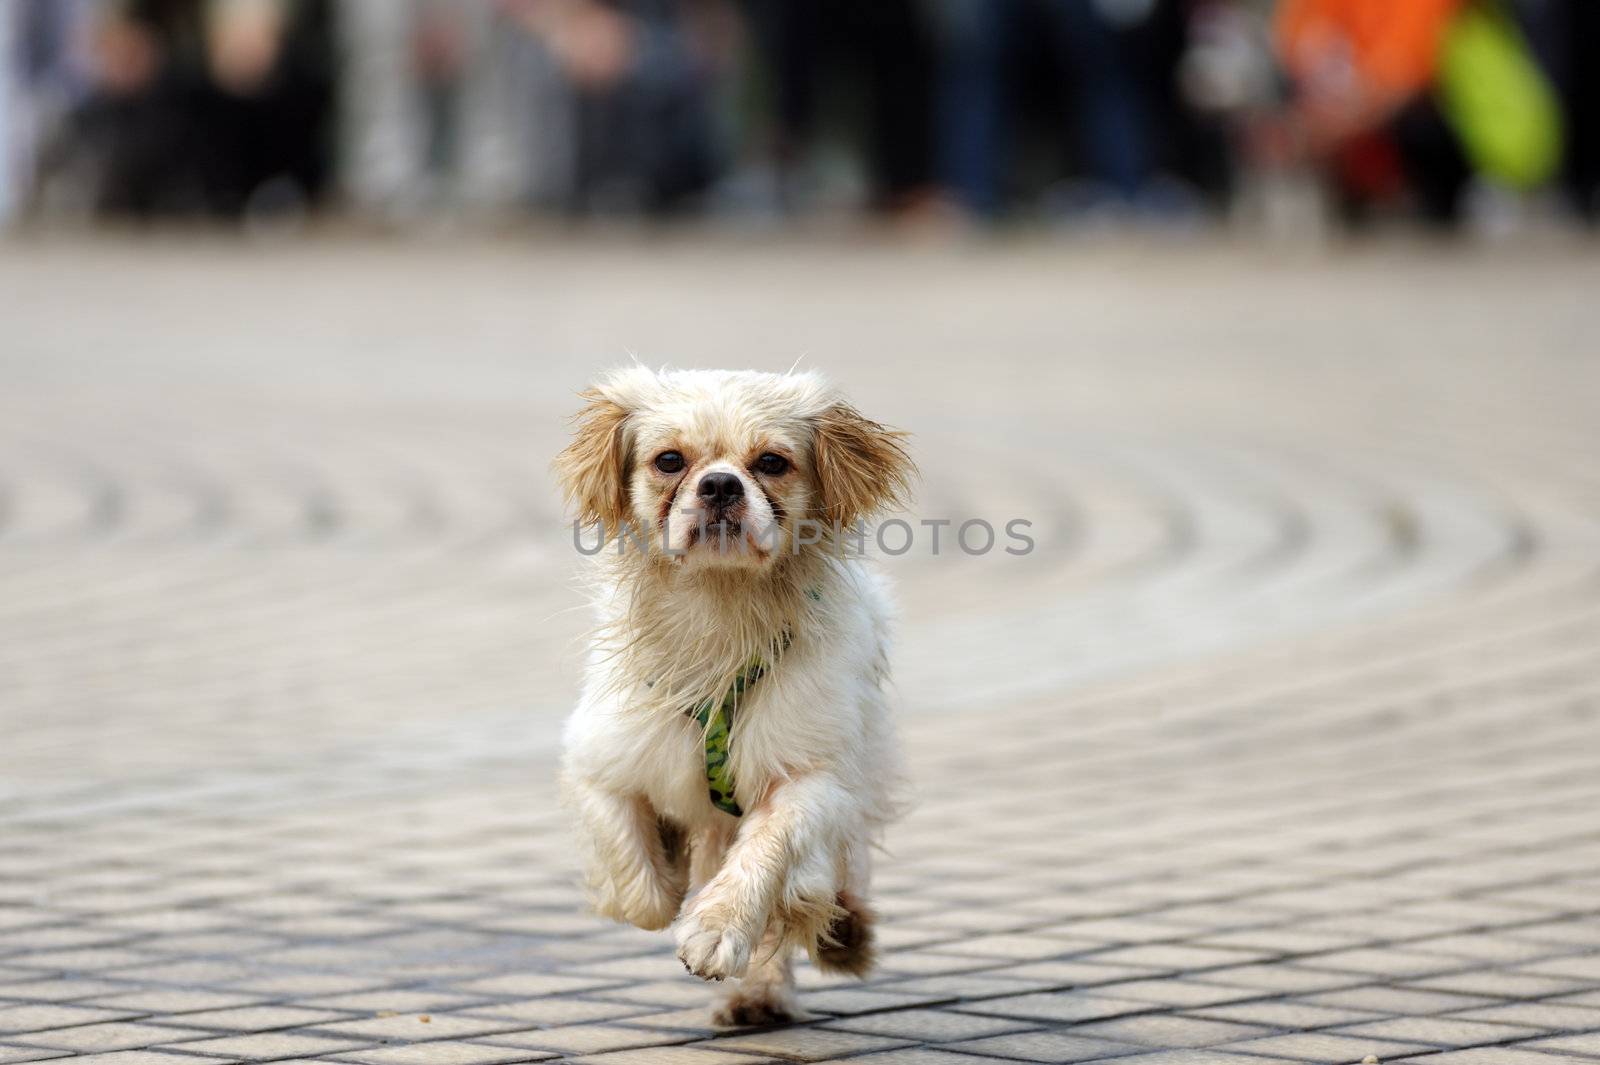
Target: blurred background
[
  {"x": 933, "y": 115},
  {"x": 299, "y": 293}
]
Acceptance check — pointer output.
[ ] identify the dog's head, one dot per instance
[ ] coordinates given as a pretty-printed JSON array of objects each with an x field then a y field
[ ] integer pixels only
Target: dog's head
[{"x": 725, "y": 468}]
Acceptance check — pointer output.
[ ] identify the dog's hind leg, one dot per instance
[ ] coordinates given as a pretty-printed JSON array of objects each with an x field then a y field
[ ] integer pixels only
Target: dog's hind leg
[
  {"x": 765, "y": 994},
  {"x": 847, "y": 943},
  {"x": 848, "y": 947}
]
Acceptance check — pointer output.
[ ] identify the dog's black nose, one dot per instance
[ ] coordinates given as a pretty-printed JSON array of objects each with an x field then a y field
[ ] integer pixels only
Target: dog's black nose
[{"x": 720, "y": 488}]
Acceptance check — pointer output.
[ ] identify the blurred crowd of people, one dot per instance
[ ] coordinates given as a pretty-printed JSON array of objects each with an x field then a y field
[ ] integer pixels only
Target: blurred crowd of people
[{"x": 921, "y": 111}]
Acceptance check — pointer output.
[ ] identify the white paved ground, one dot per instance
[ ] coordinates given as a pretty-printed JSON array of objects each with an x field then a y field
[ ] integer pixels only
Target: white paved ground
[{"x": 1282, "y": 746}]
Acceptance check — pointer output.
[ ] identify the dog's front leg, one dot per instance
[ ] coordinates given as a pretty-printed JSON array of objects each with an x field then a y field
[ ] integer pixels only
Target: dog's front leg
[
  {"x": 630, "y": 875},
  {"x": 781, "y": 863}
]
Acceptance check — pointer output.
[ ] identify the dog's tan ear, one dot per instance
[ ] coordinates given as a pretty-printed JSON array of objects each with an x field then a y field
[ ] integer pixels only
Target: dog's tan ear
[
  {"x": 862, "y": 467},
  {"x": 593, "y": 468}
]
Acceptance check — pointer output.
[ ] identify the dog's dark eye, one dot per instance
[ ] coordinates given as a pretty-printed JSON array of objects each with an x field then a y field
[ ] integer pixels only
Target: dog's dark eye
[
  {"x": 771, "y": 465},
  {"x": 669, "y": 462}
]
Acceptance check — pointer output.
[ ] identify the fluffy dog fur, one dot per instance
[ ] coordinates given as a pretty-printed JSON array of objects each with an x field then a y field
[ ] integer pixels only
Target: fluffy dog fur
[{"x": 813, "y": 754}]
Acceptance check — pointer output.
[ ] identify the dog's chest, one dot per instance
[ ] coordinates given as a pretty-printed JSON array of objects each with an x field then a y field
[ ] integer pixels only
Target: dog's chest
[
  {"x": 677, "y": 770},
  {"x": 668, "y": 765}
]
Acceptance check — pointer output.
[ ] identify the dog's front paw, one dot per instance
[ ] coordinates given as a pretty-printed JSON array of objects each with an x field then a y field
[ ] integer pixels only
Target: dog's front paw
[{"x": 711, "y": 948}]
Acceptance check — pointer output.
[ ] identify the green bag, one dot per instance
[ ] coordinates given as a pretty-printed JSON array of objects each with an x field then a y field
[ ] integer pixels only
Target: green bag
[{"x": 1497, "y": 99}]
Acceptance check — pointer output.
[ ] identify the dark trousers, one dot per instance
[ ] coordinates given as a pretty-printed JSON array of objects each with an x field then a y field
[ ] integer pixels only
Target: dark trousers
[{"x": 882, "y": 42}]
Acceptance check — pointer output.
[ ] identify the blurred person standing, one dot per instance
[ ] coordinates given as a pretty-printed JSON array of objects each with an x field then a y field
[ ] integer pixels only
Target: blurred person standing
[
  {"x": 439, "y": 103},
  {"x": 884, "y": 50},
  {"x": 43, "y": 76},
  {"x": 265, "y": 116},
  {"x": 49, "y": 66},
  {"x": 1568, "y": 36},
  {"x": 585, "y": 105},
  {"x": 640, "y": 78},
  {"x": 132, "y": 145},
  {"x": 11, "y": 143},
  {"x": 1119, "y": 111},
  {"x": 216, "y": 107},
  {"x": 981, "y": 41},
  {"x": 1362, "y": 72},
  {"x": 1582, "y": 94}
]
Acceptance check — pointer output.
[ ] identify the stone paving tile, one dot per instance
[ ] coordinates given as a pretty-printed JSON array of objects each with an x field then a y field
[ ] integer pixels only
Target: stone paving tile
[
  {"x": 1046, "y": 1047},
  {"x": 10, "y": 1054},
  {"x": 441, "y": 1053},
  {"x": 806, "y": 1044},
  {"x": 1077, "y": 973},
  {"x": 587, "y": 1038},
  {"x": 414, "y": 1027},
  {"x": 1570, "y": 932},
  {"x": 298, "y": 984},
  {"x": 1331, "y": 1049},
  {"x": 549, "y": 1012},
  {"x": 1175, "y": 957},
  {"x": 193, "y": 973},
  {"x": 845, "y": 1001},
  {"x": 931, "y": 963},
  {"x": 1584, "y": 967},
  {"x": 397, "y": 1000},
  {"x": 964, "y": 986},
  {"x": 1283, "y": 979},
  {"x": 1280, "y": 1014},
  {"x": 658, "y": 993},
  {"x": 138, "y": 1057},
  {"x": 89, "y": 959},
  {"x": 117, "y": 1035},
  {"x": 59, "y": 990},
  {"x": 1553, "y": 1016},
  {"x": 1440, "y": 1031},
  {"x": 1495, "y": 1056},
  {"x": 1198, "y": 1057},
  {"x": 930, "y": 1026},
  {"x": 1586, "y": 1045},
  {"x": 19, "y": 1020},
  {"x": 707, "y": 1054},
  {"x": 1019, "y": 947},
  {"x": 531, "y": 985},
  {"x": 260, "y": 1018},
  {"x": 1067, "y": 1008},
  {"x": 915, "y": 1056},
  {"x": 692, "y": 1019},
  {"x": 1179, "y": 992},
  {"x": 1501, "y": 984},
  {"x": 1396, "y": 1000},
  {"x": 173, "y": 1000},
  {"x": 1171, "y": 1031},
  {"x": 1391, "y": 964},
  {"x": 266, "y": 1046}
]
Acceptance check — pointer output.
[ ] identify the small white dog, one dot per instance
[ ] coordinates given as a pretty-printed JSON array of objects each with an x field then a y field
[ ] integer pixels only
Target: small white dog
[{"x": 731, "y": 758}]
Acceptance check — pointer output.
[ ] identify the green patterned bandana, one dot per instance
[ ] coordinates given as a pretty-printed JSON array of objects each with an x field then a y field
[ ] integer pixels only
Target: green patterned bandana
[{"x": 717, "y": 720}]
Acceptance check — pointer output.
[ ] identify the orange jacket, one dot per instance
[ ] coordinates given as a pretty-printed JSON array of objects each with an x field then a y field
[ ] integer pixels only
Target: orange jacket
[{"x": 1394, "y": 44}]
